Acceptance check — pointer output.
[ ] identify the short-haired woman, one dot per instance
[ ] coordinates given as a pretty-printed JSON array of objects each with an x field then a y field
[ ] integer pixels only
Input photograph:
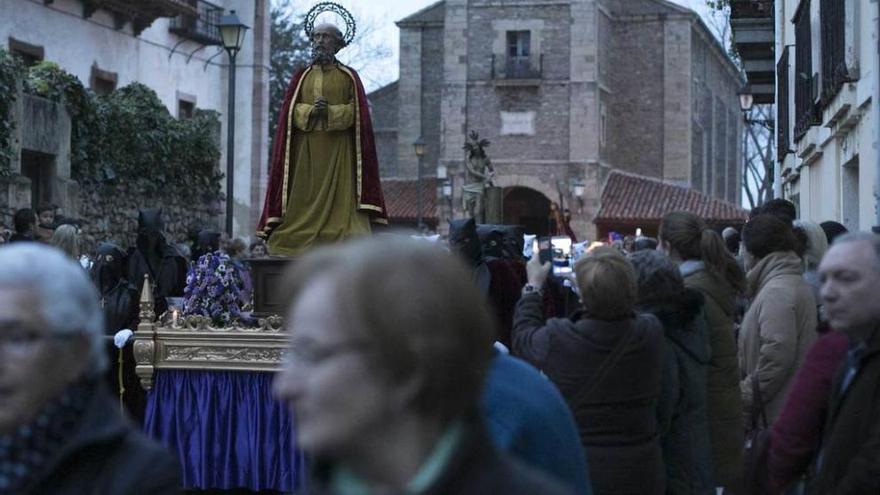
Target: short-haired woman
[
  {"x": 684, "y": 428},
  {"x": 607, "y": 362},
  {"x": 390, "y": 343}
]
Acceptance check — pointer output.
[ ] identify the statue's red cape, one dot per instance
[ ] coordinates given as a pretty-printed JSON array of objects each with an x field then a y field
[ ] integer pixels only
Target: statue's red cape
[{"x": 365, "y": 169}]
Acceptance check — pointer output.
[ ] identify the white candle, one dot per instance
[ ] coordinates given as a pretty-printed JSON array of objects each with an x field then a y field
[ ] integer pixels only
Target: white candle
[{"x": 174, "y": 318}]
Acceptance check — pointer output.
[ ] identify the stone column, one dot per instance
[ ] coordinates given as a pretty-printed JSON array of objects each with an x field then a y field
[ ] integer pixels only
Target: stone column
[
  {"x": 677, "y": 102},
  {"x": 583, "y": 124},
  {"x": 409, "y": 87},
  {"x": 453, "y": 107}
]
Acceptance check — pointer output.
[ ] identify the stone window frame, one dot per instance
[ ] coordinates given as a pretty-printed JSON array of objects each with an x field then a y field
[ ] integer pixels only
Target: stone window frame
[
  {"x": 186, "y": 98},
  {"x": 499, "y": 43},
  {"x": 19, "y": 47},
  {"x": 99, "y": 75}
]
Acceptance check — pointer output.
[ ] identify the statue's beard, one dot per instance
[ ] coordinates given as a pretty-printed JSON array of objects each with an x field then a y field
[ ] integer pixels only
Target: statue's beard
[{"x": 322, "y": 56}]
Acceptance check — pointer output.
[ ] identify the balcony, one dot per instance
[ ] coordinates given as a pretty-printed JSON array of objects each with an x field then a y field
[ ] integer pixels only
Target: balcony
[
  {"x": 517, "y": 71},
  {"x": 753, "y": 24},
  {"x": 201, "y": 27},
  {"x": 141, "y": 13}
]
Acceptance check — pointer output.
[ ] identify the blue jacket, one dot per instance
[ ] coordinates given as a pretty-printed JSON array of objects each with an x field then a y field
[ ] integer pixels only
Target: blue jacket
[{"x": 527, "y": 417}]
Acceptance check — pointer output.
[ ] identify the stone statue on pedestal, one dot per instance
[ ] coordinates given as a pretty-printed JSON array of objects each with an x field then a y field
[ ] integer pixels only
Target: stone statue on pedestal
[{"x": 479, "y": 177}]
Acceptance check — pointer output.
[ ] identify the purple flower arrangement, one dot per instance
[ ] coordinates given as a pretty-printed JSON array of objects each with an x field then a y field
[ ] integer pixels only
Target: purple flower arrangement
[{"x": 218, "y": 287}]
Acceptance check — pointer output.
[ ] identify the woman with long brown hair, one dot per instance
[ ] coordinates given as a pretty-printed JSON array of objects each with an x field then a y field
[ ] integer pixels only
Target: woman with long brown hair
[{"x": 708, "y": 267}]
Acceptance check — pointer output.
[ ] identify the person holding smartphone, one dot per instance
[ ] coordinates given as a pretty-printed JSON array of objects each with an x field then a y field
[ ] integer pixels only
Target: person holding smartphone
[{"x": 606, "y": 362}]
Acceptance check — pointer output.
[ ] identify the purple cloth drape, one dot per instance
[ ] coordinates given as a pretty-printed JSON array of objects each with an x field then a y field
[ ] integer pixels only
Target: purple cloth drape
[{"x": 226, "y": 429}]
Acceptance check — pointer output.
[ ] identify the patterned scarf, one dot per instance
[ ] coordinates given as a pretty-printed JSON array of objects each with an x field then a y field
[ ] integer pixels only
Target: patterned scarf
[{"x": 25, "y": 453}]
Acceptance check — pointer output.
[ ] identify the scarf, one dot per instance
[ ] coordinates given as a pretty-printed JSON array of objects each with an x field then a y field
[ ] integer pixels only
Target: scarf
[{"x": 27, "y": 451}]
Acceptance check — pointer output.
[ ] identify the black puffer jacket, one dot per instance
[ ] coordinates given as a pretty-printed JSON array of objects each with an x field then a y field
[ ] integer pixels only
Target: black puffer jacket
[{"x": 684, "y": 427}]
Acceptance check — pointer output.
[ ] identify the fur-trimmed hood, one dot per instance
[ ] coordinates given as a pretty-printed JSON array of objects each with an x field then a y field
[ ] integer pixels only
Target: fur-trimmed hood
[{"x": 683, "y": 322}]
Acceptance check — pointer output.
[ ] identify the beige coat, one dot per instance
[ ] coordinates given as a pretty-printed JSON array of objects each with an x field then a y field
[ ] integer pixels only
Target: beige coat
[{"x": 777, "y": 331}]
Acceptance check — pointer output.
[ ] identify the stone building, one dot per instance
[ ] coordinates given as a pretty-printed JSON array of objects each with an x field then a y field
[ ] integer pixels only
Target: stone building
[
  {"x": 566, "y": 91},
  {"x": 171, "y": 46},
  {"x": 826, "y": 92}
]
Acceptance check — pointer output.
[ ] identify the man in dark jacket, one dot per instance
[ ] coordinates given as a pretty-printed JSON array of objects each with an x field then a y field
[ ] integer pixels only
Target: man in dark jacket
[
  {"x": 60, "y": 430},
  {"x": 849, "y": 457}
]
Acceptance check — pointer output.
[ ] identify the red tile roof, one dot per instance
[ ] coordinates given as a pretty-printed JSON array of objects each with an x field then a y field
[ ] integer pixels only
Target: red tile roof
[
  {"x": 631, "y": 198},
  {"x": 401, "y": 199}
]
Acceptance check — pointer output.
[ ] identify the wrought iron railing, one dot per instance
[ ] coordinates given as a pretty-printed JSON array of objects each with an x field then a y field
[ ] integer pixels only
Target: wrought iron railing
[
  {"x": 834, "y": 71},
  {"x": 529, "y": 67},
  {"x": 804, "y": 97},
  {"x": 201, "y": 27},
  {"x": 783, "y": 130}
]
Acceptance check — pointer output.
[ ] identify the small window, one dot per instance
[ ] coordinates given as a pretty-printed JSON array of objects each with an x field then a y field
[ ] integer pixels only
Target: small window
[
  {"x": 29, "y": 54},
  {"x": 186, "y": 105},
  {"x": 185, "y": 109},
  {"x": 519, "y": 44},
  {"x": 102, "y": 82},
  {"x": 603, "y": 125}
]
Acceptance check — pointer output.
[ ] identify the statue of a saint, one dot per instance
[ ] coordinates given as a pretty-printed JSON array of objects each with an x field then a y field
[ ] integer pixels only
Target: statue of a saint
[
  {"x": 324, "y": 176},
  {"x": 480, "y": 174}
]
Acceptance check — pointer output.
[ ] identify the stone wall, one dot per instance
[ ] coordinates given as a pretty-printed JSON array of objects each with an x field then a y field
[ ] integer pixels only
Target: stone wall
[
  {"x": 106, "y": 210},
  {"x": 716, "y": 148},
  {"x": 635, "y": 118},
  {"x": 110, "y": 212},
  {"x": 383, "y": 110}
]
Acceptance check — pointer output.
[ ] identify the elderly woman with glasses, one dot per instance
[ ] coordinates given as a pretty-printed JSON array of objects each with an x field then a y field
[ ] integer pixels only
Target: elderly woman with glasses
[
  {"x": 61, "y": 432},
  {"x": 390, "y": 346}
]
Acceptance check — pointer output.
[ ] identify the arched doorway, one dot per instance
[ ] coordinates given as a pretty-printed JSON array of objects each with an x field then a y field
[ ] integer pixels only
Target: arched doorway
[{"x": 527, "y": 207}]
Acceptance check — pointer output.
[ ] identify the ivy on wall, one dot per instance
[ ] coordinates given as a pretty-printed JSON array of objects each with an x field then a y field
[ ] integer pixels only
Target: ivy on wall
[
  {"x": 10, "y": 72},
  {"x": 130, "y": 136}
]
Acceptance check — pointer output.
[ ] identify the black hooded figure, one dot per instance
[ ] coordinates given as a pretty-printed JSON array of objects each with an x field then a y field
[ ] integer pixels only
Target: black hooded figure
[
  {"x": 156, "y": 258},
  {"x": 119, "y": 298},
  {"x": 497, "y": 276},
  {"x": 208, "y": 241},
  {"x": 465, "y": 242}
]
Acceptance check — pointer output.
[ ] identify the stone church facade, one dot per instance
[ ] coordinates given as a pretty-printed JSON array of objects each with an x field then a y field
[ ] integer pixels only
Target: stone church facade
[{"x": 566, "y": 91}]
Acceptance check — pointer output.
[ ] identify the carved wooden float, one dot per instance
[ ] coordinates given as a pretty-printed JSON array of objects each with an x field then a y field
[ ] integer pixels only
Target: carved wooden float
[{"x": 191, "y": 342}]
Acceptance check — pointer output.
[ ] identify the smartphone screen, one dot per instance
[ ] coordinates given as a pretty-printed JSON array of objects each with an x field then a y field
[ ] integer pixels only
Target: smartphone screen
[{"x": 561, "y": 255}]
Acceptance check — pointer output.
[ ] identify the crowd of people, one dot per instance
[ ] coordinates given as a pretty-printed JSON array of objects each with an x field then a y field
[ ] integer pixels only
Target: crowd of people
[{"x": 699, "y": 362}]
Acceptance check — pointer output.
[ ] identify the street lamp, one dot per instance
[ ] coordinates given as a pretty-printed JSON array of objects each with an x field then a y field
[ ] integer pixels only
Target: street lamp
[
  {"x": 232, "y": 32},
  {"x": 747, "y": 103},
  {"x": 578, "y": 189},
  {"x": 419, "y": 148},
  {"x": 746, "y": 98}
]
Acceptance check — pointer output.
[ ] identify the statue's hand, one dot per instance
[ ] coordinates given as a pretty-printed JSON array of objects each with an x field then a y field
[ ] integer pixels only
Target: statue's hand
[{"x": 320, "y": 107}]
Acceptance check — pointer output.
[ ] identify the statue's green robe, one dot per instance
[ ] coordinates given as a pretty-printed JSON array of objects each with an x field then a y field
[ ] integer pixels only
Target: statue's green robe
[{"x": 322, "y": 204}]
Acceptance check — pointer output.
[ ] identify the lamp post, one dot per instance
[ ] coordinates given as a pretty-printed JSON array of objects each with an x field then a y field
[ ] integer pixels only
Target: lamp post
[
  {"x": 419, "y": 148},
  {"x": 746, "y": 103},
  {"x": 578, "y": 189},
  {"x": 232, "y": 32}
]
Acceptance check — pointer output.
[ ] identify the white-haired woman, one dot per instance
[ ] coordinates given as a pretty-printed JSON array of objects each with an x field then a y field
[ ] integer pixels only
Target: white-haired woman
[{"x": 60, "y": 430}]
